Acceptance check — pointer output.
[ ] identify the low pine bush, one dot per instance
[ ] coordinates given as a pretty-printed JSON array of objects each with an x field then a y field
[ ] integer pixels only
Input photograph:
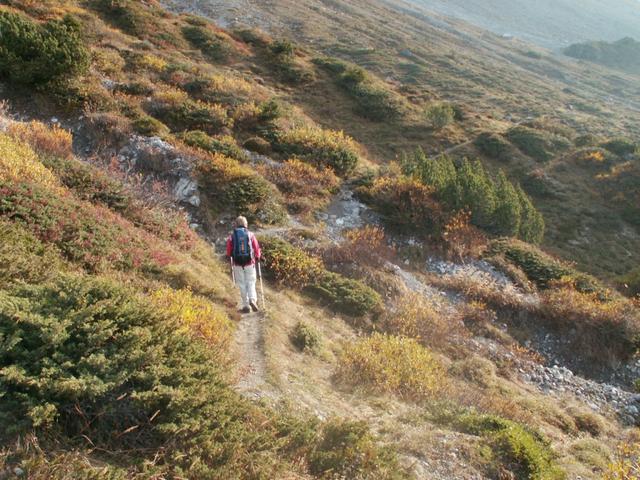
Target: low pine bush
[
  {"x": 149, "y": 126},
  {"x": 34, "y": 54},
  {"x": 391, "y": 364},
  {"x": 537, "y": 144},
  {"x": 405, "y": 204},
  {"x": 305, "y": 337},
  {"x": 440, "y": 115},
  {"x": 522, "y": 452},
  {"x": 492, "y": 145},
  {"x": 322, "y": 148},
  {"x": 349, "y": 450},
  {"x": 176, "y": 110},
  {"x": 23, "y": 257},
  {"x": 372, "y": 99},
  {"x": 130, "y": 16},
  {"x": 289, "y": 265},
  {"x": 305, "y": 187},
  {"x": 215, "y": 46},
  {"x": 620, "y": 146},
  {"x": 89, "y": 183},
  {"x": 296, "y": 268},
  {"x": 225, "y": 145},
  {"x": 97, "y": 362},
  {"x": 231, "y": 185},
  {"x": 345, "y": 295},
  {"x": 539, "y": 267}
]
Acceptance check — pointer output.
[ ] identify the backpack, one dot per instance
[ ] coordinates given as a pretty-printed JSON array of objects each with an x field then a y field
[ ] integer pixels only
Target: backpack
[{"x": 242, "y": 250}]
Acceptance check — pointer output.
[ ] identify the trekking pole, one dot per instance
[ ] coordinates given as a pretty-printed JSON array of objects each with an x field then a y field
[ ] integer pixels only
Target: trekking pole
[
  {"x": 233, "y": 273},
  {"x": 261, "y": 285}
]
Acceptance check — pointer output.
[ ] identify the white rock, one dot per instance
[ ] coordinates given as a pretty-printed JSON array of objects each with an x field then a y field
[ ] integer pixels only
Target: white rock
[{"x": 186, "y": 190}]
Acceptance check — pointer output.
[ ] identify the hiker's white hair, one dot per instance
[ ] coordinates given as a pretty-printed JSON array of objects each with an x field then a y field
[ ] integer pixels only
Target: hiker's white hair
[{"x": 242, "y": 222}]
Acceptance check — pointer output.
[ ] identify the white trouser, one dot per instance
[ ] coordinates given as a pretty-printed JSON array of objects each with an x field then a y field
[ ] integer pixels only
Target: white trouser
[{"x": 246, "y": 281}]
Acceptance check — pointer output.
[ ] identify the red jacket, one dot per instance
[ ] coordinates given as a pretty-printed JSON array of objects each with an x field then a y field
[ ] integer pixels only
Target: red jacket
[{"x": 257, "y": 253}]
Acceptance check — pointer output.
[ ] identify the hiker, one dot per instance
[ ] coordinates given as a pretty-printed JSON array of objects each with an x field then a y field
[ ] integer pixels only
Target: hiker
[{"x": 244, "y": 251}]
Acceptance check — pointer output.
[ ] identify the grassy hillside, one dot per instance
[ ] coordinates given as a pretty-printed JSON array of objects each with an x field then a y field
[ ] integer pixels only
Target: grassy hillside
[
  {"x": 132, "y": 136},
  {"x": 494, "y": 85}
]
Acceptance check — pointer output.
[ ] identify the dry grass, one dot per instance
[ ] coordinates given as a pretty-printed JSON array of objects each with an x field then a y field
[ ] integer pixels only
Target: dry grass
[
  {"x": 419, "y": 318},
  {"x": 391, "y": 364},
  {"x": 607, "y": 328}
]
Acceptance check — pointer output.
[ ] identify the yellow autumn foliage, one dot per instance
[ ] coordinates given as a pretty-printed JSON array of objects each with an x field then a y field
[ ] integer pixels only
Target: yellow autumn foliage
[
  {"x": 626, "y": 465},
  {"x": 392, "y": 364},
  {"x": 54, "y": 141},
  {"x": 198, "y": 314},
  {"x": 19, "y": 163}
]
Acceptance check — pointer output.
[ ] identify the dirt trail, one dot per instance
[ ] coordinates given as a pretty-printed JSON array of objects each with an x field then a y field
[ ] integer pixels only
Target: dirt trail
[{"x": 252, "y": 365}]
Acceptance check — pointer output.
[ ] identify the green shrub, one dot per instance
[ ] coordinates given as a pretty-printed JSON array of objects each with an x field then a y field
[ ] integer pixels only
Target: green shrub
[
  {"x": 305, "y": 337},
  {"x": 180, "y": 113},
  {"x": 514, "y": 447},
  {"x": 537, "y": 144},
  {"x": 345, "y": 295},
  {"x": 131, "y": 16},
  {"x": 289, "y": 265},
  {"x": 258, "y": 145},
  {"x": 225, "y": 145},
  {"x": 34, "y": 54},
  {"x": 405, "y": 204},
  {"x": 149, "y": 126},
  {"x": 253, "y": 36},
  {"x": 348, "y": 450},
  {"x": 214, "y": 45},
  {"x": 587, "y": 140},
  {"x": 323, "y": 148},
  {"x": 24, "y": 257},
  {"x": 492, "y": 145},
  {"x": 296, "y": 268},
  {"x": 440, "y": 115},
  {"x": 620, "y": 146},
  {"x": 282, "y": 48},
  {"x": 540, "y": 268},
  {"x": 497, "y": 206},
  {"x": 97, "y": 361},
  {"x": 136, "y": 88},
  {"x": 229, "y": 184},
  {"x": 373, "y": 100}
]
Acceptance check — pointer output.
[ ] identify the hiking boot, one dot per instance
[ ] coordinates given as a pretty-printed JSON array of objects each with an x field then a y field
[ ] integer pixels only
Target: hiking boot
[
  {"x": 254, "y": 307},
  {"x": 245, "y": 310}
]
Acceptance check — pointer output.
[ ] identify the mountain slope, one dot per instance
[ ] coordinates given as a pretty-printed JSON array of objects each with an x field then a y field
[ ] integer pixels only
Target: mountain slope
[
  {"x": 551, "y": 24},
  {"x": 402, "y": 336}
]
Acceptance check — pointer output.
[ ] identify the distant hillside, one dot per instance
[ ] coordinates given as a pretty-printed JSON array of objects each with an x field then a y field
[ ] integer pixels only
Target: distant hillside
[
  {"x": 549, "y": 23},
  {"x": 623, "y": 54}
]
